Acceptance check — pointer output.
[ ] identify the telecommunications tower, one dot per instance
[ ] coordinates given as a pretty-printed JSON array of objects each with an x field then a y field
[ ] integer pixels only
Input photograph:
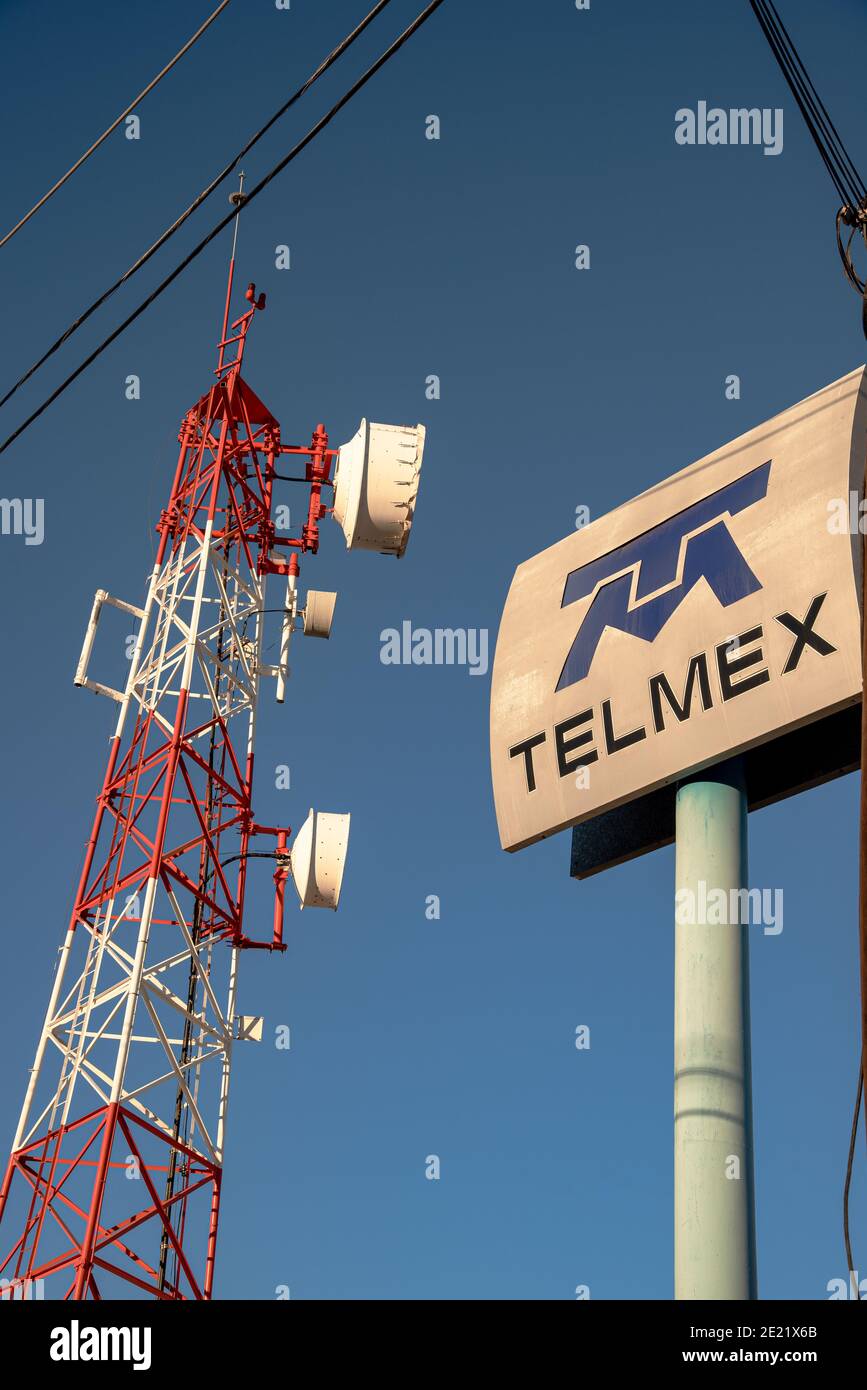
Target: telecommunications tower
[{"x": 115, "y": 1171}]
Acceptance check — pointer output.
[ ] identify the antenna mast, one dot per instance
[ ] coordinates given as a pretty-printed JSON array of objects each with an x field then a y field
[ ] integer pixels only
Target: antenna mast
[{"x": 132, "y": 1070}]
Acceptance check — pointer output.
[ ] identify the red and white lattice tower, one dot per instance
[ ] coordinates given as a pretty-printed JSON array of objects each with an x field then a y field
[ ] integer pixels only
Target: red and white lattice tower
[{"x": 116, "y": 1162}]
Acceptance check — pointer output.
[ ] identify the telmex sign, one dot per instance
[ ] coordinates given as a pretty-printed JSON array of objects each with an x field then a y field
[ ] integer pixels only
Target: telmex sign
[{"x": 716, "y": 614}]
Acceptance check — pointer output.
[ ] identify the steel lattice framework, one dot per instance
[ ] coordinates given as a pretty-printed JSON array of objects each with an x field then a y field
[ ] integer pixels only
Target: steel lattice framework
[{"x": 117, "y": 1159}]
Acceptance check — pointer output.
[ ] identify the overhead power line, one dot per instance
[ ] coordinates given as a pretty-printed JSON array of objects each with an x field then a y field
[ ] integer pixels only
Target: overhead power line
[
  {"x": 123, "y": 115},
  {"x": 198, "y": 201},
  {"x": 841, "y": 167},
  {"x": 848, "y": 182},
  {"x": 853, "y": 1277},
  {"x": 263, "y": 183},
  {"x": 853, "y": 214}
]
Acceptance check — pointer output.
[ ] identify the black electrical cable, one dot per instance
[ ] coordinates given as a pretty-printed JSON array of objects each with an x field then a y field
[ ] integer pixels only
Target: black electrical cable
[
  {"x": 230, "y": 217},
  {"x": 852, "y": 1139},
  {"x": 251, "y": 854},
  {"x": 197, "y": 202},
  {"x": 284, "y": 478},
  {"x": 844, "y": 175},
  {"x": 853, "y": 213},
  {"x": 114, "y": 125},
  {"x": 831, "y": 132},
  {"x": 850, "y": 187}
]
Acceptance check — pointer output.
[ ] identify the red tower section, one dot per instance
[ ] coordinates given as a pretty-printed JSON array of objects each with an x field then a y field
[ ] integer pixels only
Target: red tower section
[{"x": 114, "y": 1176}]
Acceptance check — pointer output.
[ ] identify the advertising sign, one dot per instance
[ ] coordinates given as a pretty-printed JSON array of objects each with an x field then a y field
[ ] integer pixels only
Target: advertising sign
[{"x": 715, "y": 614}]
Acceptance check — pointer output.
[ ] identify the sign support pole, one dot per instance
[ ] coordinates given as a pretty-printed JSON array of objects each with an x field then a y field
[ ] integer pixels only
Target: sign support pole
[{"x": 714, "y": 1201}]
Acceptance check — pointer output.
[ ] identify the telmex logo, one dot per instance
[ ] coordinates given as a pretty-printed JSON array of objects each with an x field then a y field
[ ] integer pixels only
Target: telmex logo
[
  {"x": 637, "y": 588},
  {"x": 715, "y": 613}
]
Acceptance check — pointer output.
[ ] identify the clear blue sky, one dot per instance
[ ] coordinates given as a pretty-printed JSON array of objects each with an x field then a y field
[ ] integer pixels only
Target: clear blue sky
[{"x": 412, "y": 257}]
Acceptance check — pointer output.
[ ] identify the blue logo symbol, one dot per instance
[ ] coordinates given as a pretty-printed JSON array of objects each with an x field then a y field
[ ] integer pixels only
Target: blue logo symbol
[{"x": 652, "y": 561}]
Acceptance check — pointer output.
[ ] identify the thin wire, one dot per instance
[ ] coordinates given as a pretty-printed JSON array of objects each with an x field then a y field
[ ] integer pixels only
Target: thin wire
[
  {"x": 824, "y": 119},
  {"x": 841, "y": 168},
  {"x": 797, "y": 88},
  {"x": 215, "y": 231},
  {"x": 238, "y": 200},
  {"x": 285, "y": 478},
  {"x": 240, "y": 203},
  {"x": 846, "y": 253},
  {"x": 852, "y": 1139},
  {"x": 251, "y": 854},
  {"x": 133, "y": 104},
  {"x": 844, "y": 175},
  {"x": 198, "y": 201}
]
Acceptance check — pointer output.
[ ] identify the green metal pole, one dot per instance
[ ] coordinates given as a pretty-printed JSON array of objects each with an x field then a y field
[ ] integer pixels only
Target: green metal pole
[{"x": 714, "y": 1202}]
